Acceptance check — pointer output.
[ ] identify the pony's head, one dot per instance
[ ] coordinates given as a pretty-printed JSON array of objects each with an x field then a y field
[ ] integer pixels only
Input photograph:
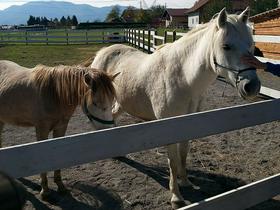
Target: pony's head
[
  {"x": 233, "y": 39},
  {"x": 98, "y": 100}
]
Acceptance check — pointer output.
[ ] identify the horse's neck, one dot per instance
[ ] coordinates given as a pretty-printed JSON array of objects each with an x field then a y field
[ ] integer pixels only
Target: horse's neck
[{"x": 195, "y": 57}]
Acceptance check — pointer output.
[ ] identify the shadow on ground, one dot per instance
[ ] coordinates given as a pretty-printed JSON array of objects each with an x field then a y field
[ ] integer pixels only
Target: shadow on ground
[
  {"x": 83, "y": 196},
  {"x": 210, "y": 184}
]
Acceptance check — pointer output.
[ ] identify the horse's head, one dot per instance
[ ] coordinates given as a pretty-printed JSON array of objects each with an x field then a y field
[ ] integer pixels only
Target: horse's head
[
  {"x": 99, "y": 99},
  {"x": 233, "y": 39}
]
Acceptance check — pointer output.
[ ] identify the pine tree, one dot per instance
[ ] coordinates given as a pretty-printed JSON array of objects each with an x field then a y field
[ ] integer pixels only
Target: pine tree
[
  {"x": 74, "y": 20},
  {"x": 113, "y": 15},
  {"x": 63, "y": 21},
  {"x": 31, "y": 20}
]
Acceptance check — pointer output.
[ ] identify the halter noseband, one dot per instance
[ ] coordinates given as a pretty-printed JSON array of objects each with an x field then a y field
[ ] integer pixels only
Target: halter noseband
[
  {"x": 235, "y": 71},
  {"x": 93, "y": 118}
]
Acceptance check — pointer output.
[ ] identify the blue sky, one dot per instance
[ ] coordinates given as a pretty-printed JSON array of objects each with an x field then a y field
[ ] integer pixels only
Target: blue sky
[{"x": 99, "y": 3}]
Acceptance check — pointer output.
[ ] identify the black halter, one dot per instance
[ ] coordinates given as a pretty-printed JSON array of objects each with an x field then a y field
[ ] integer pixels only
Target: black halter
[
  {"x": 235, "y": 71},
  {"x": 93, "y": 118}
]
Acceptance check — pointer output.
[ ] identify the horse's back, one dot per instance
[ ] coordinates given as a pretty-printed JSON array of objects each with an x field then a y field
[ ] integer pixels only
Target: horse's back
[{"x": 108, "y": 58}]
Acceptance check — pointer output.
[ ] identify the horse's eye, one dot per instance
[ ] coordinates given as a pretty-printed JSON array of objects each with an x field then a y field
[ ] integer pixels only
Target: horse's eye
[{"x": 226, "y": 47}]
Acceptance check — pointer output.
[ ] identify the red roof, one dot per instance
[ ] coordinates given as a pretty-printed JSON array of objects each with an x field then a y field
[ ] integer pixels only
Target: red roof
[
  {"x": 265, "y": 16},
  {"x": 197, "y": 5},
  {"x": 176, "y": 12}
]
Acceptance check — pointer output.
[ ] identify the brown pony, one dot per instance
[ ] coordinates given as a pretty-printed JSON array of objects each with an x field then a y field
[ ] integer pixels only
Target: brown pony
[{"x": 46, "y": 97}]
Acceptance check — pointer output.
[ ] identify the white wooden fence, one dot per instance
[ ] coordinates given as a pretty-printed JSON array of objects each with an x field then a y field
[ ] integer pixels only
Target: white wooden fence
[
  {"x": 33, "y": 158},
  {"x": 61, "y": 36}
]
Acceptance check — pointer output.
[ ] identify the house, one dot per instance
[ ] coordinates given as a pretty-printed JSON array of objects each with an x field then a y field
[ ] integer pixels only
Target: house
[
  {"x": 268, "y": 23},
  {"x": 175, "y": 18},
  {"x": 197, "y": 13}
]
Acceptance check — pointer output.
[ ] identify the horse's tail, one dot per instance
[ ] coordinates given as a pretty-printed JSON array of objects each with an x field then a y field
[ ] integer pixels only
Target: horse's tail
[{"x": 87, "y": 62}]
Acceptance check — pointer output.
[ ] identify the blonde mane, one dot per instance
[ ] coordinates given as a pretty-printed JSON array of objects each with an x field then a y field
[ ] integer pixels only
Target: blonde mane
[{"x": 65, "y": 84}]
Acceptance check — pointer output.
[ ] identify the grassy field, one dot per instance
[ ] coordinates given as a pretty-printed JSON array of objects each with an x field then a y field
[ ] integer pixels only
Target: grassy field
[{"x": 51, "y": 55}]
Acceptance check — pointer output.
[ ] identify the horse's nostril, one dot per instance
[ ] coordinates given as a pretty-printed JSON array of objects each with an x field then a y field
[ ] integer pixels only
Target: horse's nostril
[
  {"x": 248, "y": 87},
  {"x": 251, "y": 88}
]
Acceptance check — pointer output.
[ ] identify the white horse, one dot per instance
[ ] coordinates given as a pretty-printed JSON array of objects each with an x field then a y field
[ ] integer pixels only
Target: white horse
[{"x": 172, "y": 80}]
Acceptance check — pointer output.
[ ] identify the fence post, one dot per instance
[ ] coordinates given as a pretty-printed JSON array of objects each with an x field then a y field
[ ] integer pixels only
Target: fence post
[
  {"x": 149, "y": 41},
  {"x": 139, "y": 39},
  {"x": 174, "y": 36},
  {"x": 165, "y": 37},
  {"x": 47, "y": 38},
  {"x": 67, "y": 37},
  {"x": 154, "y": 39},
  {"x": 143, "y": 36},
  {"x": 103, "y": 36},
  {"x": 26, "y": 40},
  {"x": 135, "y": 40},
  {"x": 87, "y": 37}
]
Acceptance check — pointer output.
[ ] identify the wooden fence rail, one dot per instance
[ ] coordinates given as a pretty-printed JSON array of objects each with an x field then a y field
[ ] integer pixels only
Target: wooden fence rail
[
  {"x": 33, "y": 158},
  {"x": 62, "y": 37}
]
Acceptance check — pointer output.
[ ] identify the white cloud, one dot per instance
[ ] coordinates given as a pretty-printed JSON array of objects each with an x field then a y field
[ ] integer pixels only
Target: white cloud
[{"x": 99, "y": 3}]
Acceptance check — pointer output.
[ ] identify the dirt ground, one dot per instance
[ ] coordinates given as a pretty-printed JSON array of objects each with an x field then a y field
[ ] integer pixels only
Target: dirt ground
[{"x": 140, "y": 180}]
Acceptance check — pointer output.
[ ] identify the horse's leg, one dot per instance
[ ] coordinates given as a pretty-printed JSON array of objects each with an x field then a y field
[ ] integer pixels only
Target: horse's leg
[
  {"x": 1, "y": 129},
  {"x": 183, "y": 149},
  {"x": 58, "y": 132},
  {"x": 177, "y": 200},
  {"x": 42, "y": 134}
]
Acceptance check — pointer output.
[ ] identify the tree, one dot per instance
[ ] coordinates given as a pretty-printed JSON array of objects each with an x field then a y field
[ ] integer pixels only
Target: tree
[
  {"x": 44, "y": 21},
  {"x": 31, "y": 20},
  {"x": 157, "y": 11},
  {"x": 259, "y": 6},
  {"x": 113, "y": 15},
  {"x": 143, "y": 16},
  {"x": 214, "y": 7},
  {"x": 63, "y": 21},
  {"x": 74, "y": 20},
  {"x": 129, "y": 14}
]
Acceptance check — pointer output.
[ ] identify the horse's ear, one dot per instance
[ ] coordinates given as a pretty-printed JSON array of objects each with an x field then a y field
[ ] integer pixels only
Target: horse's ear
[
  {"x": 89, "y": 81},
  {"x": 222, "y": 18},
  {"x": 244, "y": 16},
  {"x": 115, "y": 75}
]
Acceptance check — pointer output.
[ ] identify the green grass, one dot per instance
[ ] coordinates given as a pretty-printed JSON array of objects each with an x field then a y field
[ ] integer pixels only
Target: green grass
[{"x": 51, "y": 55}]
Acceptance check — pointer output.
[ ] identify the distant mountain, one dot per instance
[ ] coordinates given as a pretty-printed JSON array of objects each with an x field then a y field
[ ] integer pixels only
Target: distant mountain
[{"x": 16, "y": 15}]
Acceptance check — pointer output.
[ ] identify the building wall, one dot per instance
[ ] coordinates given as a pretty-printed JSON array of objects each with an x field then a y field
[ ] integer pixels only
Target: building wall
[
  {"x": 193, "y": 19},
  {"x": 176, "y": 21},
  {"x": 269, "y": 28}
]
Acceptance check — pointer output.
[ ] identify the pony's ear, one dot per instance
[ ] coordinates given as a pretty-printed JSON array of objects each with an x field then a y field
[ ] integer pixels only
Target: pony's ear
[
  {"x": 244, "y": 16},
  {"x": 115, "y": 75},
  {"x": 90, "y": 82},
  {"x": 87, "y": 79},
  {"x": 222, "y": 18}
]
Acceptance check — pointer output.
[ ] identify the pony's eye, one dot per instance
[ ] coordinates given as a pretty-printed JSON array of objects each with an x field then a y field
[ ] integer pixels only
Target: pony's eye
[{"x": 226, "y": 47}]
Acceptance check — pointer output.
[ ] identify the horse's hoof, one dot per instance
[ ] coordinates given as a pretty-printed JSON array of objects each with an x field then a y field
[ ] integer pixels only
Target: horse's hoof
[
  {"x": 188, "y": 183},
  {"x": 178, "y": 204},
  {"x": 63, "y": 190},
  {"x": 44, "y": 195}
]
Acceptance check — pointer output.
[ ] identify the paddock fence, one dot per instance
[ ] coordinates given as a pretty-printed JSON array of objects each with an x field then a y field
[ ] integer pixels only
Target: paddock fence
[
  {"x": 22, "y": 160},
  {"x": 65, "y": 37}
]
